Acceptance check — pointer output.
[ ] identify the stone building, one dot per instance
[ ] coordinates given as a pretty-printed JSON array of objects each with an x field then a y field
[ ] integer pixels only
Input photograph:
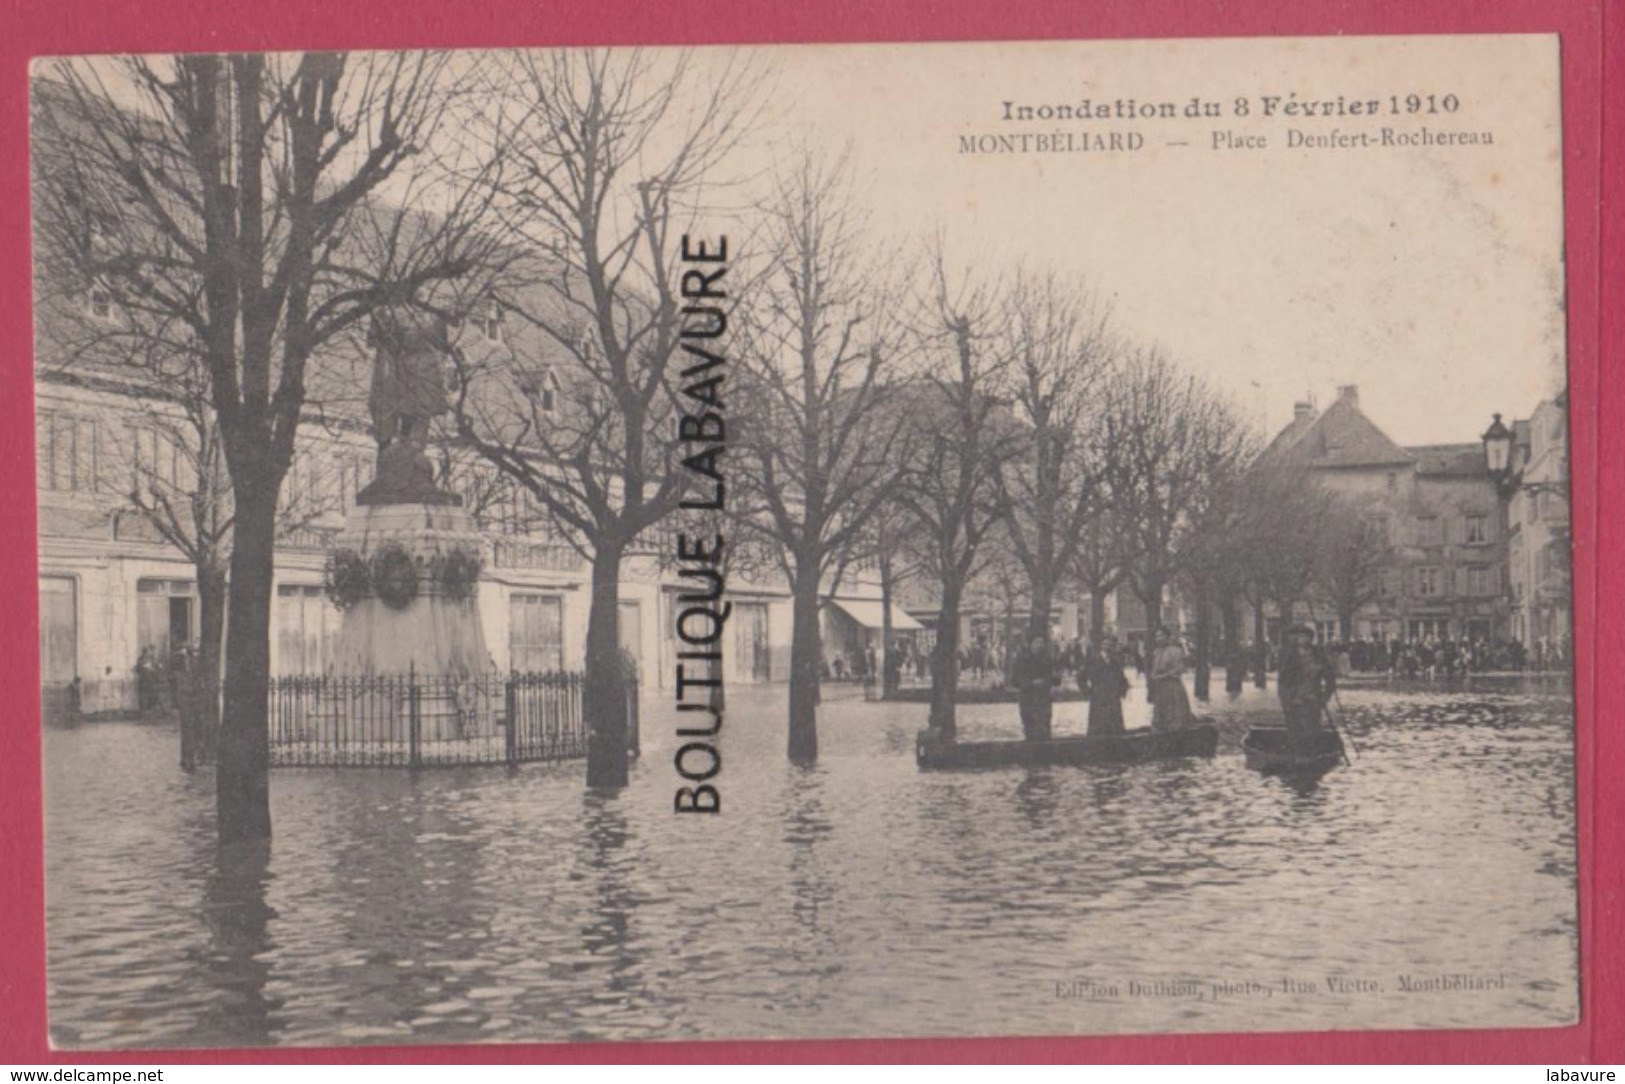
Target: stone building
[
  {"x": 1538, "y": 527},
  {"x": 1435, "y": 511},
  {"x": 111, "y": 586}
]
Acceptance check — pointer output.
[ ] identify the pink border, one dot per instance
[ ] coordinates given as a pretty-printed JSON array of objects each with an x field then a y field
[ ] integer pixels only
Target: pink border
[{"x": 1594, "y": 171}]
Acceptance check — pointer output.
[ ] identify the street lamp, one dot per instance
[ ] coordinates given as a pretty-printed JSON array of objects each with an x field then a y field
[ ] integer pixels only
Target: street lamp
[
  {"x": 1497, "y": 449},
  {"x": 1498, "y": 460}
]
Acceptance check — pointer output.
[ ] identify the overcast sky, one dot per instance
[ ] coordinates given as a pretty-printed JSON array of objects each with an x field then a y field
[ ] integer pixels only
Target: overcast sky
[{"x": 1429, "y": 276}]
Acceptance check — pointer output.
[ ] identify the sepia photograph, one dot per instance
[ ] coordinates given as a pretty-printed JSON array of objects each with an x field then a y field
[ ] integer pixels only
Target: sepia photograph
[{"x": 804, "y": 541}]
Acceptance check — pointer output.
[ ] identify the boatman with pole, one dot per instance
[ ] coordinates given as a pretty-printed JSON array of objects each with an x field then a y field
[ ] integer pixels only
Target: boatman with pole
[{"x": 1306, "y": 682}]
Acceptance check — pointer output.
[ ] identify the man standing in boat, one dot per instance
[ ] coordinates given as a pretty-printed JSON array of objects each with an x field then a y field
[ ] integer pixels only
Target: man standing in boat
[
  {"x": 1034, "y": 674},
  {"x": 1306, "y": 682}
]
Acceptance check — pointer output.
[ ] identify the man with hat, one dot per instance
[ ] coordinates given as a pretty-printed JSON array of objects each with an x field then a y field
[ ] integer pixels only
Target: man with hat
[{"x": 1307, "y": 681}]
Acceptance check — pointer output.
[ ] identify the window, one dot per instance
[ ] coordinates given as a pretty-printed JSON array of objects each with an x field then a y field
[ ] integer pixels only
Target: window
[
  {"x": 1479, "y": 580},
  {"x": 68, "y": 453},
  {"x": 163, "y": 617},
  {"x": 304, "y": 490},
  {"x": 1376, "y": 530},
  {"x": 101, "y": 303},
  {"x": 1428, "y": 628},
  {"x": 1429, "y": 531},
  {"x": 517, "y": 511},
  {"x": 1478, "y": 530},
  {"x": 543, "y": 389},
  {"x": 351, "y": 471},
  {"x": 1429, "y": 583},
  {"x": 305, "y": 622},
  {"x": 58, "y": 630},
  {"x": 1388, "y": 582},
  {"x": 1393, "y": 480},
  {"x": 536, "y": 633},
  {"x": 491, "y": 322},
  {"x": 157, "y": 460}
]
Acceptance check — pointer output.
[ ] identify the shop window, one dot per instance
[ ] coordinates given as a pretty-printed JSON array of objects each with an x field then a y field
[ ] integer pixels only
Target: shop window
[{"x": 536, "y": 633}]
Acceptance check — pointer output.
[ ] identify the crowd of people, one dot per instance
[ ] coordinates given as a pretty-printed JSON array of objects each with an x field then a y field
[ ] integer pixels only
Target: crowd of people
[
  {"x": 1439, "y": 657},
  {"x": 1020, "y": 663}
]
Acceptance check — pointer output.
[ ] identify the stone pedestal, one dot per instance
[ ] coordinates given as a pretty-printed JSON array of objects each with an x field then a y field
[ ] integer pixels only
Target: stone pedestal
[{"x": 434, "y": 634}]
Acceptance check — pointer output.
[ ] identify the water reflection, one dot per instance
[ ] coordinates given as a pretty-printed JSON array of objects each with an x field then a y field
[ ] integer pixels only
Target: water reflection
[
  {"x": 606, "y": 933},
  {"x": 857, "y": 897},
  {"x": 238, "y": 961}
]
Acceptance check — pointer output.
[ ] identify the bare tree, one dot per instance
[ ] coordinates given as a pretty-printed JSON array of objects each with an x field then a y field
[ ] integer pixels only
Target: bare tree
[
  {"x": 822, "y": 447},
  {"x": 1354, "y": 549},
  {"x": 961, "y": 432},
  {"x": 891, "y": 540},
  {"x": 1099, "y": 566},
  {"x": 1285, "y": 546},
  {"x": 597, "y": 162},
  {"x": 238, "y": 197},
  {"x": 1217, "y": 559},
  {"x": 1167, "y": 429},
  {"x": 1060, "y": 356}
]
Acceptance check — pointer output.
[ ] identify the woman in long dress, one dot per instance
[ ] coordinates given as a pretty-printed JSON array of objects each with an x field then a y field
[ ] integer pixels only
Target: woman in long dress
[
  {"x": 1102, "y": 672},
  {"x": 1165, "y": 686}
]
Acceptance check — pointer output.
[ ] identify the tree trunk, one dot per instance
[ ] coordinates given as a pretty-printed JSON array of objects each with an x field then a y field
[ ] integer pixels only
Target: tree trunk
[
  {"x": 1153, "y": 605},
  {"x": 1234, "y": 676},
  {"x": 1261, "y": 654},
  {"x": 200, "y": 711},
  {"x": 242, "y": 772},
  {"x": 888, "y": 678},
  {"x": 1007, "y": 645},
  {"x": 806, "y": 651},
  {"x": 1037, "y": 705},
  {"x": 945, "y": 664},
  {"x": 603, "y": 692},
  {"x": 1204, "y": 634},
  {"x": 1097, "y": 613}
]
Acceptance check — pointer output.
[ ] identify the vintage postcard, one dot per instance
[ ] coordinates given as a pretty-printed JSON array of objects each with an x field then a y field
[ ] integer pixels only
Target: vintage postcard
[{"x": 1052, "y": 538}]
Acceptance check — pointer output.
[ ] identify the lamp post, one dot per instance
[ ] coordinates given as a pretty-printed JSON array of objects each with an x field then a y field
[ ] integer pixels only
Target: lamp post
[
  {"x": 1498, "y": 451},
  {"x": 1497, "y": 441}
]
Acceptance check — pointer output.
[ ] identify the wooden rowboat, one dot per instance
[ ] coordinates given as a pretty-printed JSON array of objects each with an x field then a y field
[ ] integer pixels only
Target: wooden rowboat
[
  {"x": 1273, "y": 751},
  {"x": 1201, "y": 740}
]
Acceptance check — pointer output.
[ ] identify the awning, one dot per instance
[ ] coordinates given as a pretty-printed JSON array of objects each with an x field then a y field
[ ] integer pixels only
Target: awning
[{"x": 871, "y": 614}]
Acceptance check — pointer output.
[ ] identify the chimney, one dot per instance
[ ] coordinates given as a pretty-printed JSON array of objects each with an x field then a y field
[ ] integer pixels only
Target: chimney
[
  {"x": 1302, "y": 410},
  {"x": 1350, "y": 394}
]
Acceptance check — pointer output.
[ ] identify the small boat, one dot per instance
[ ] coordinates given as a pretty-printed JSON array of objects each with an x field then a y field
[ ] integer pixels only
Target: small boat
[
  {"x": 1274, "y": 751},
  {"x": 1200, "y": 740}
]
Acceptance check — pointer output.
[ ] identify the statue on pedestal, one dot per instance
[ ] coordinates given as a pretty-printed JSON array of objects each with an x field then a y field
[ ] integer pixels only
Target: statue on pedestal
[{"x": 408, "y": 392}]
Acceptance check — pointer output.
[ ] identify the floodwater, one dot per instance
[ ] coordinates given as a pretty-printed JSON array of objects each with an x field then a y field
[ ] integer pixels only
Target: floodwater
[{"x": 862, "y": 897}]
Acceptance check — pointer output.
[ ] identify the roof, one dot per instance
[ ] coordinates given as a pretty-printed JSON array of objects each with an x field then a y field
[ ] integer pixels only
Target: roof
[
  {"x": 870, "y": 613},
  {"x": 1289, "y": 437},
  {"x": 1453, "y": 460},
  {"x": 1338, "y": 437}
]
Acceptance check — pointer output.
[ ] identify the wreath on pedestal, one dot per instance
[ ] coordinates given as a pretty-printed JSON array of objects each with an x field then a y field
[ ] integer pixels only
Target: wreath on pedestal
[
  {"x": 394, "y": 577},
  {"x": 348, "y": 581},
  {"x": 459, "y": 574}
]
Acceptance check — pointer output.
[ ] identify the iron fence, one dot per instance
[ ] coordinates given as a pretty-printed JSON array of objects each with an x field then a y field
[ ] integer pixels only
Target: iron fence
[{"x": 419, "y": 720}]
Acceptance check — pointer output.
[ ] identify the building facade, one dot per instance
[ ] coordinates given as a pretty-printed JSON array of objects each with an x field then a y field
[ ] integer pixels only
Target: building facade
[
  {"x": 1434, "y": 513},
  {"x": 111, "y": 587},
  {"x": 1538, "y": 536}
]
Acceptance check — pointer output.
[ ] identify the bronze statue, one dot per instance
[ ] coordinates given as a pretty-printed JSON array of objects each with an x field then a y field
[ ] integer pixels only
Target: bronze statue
[{"x": 408, "y": 392}]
